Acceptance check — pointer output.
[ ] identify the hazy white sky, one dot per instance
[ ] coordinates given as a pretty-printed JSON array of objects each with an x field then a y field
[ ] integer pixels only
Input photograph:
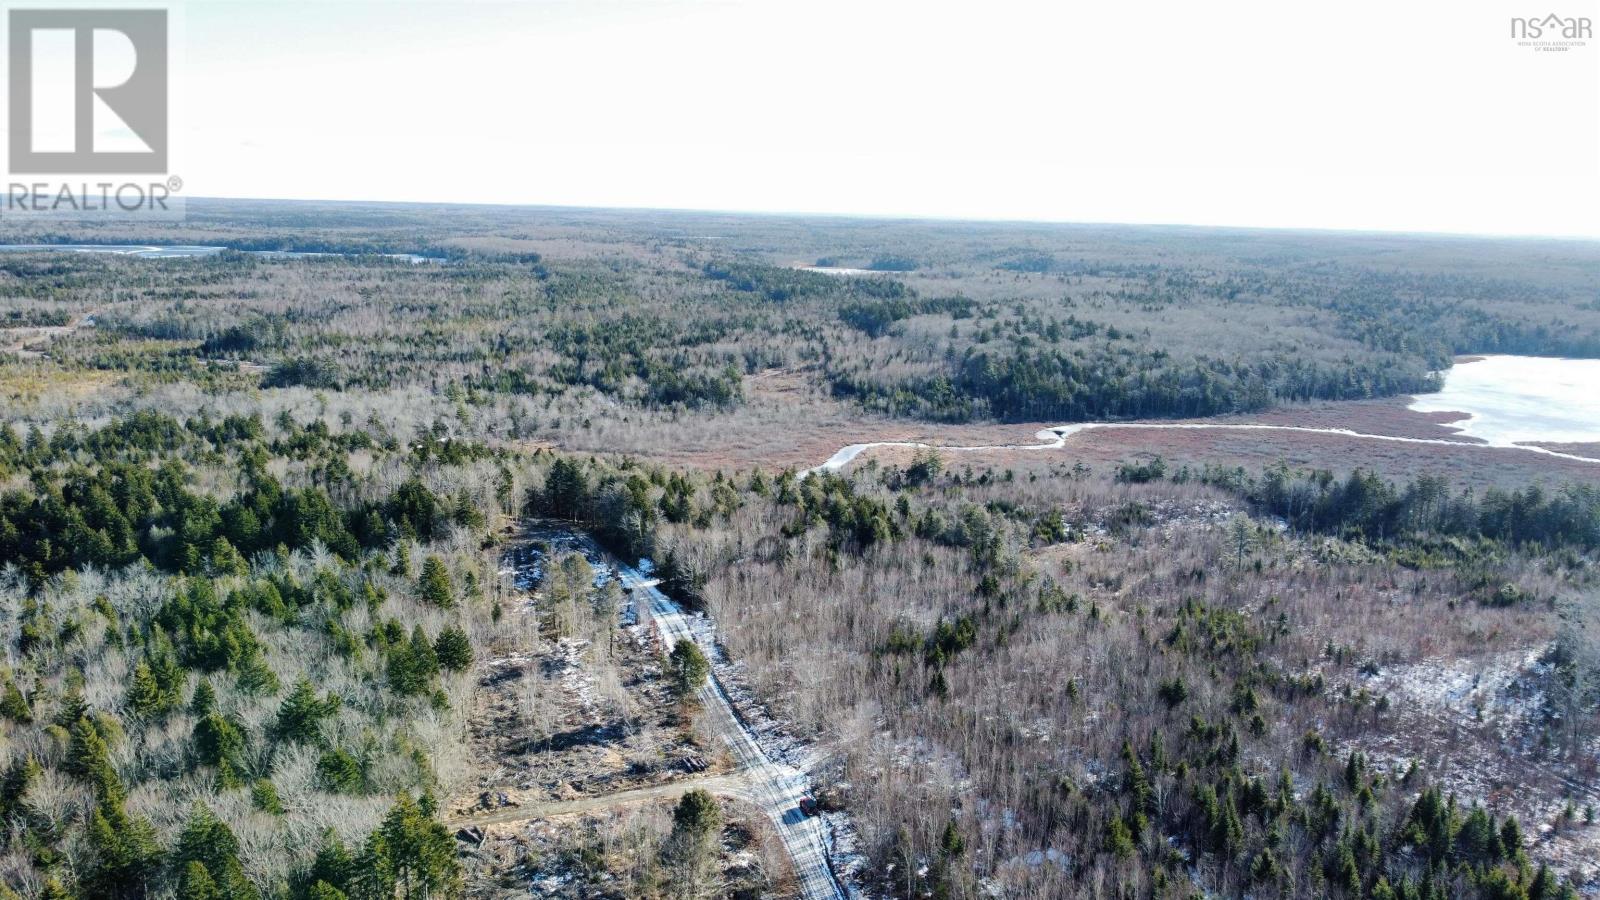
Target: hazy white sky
[{"x": 1385, "y": 114}]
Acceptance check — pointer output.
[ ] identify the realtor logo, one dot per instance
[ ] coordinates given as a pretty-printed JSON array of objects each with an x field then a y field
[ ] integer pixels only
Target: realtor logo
[
  {"x": 1556, "y": 26},
  {"x": 80, "y": 101},
  {"x": 1553, "y": 33}
]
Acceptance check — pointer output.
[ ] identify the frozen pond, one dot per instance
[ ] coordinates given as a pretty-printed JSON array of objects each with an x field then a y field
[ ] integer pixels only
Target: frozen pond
[
  {"x": 1521, "y": 399},
  {"x": 841, "y": 270}
]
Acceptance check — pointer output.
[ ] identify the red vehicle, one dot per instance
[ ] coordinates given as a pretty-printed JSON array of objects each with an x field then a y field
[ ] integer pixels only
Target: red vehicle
[{"x": 808, "y": 806}]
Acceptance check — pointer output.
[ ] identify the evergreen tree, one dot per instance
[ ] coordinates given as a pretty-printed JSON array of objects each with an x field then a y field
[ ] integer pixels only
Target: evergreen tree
[
  {"x": 89, "y": 758},
  {"x": 126, "y": 856},
  {"x": 566, "y": 491},
  {"x": 300, "y": 716},
  {"x": 14, "y": 705},
  {"x": 691, "y": 849},
  {"x": 453, "y": 649},
  {"x": 697, "y": 813},
  {"x": 411, "y": 856},
  {"x": 264, "y": 797},
  {"x": 434, "y": 586},
  {"x": 1119, "y": 838},
  {"x": 951, "y": 844},
  {"x": 218, "y": 741},
  {"x": 322, "y": 890},
  {"x": 196, "y": 884},
  {"x": 208, "y": 842},
  {"x": 334, "y": 865},
  {"x": 204, "y": 700},
  {"x": 339, "y": 772},
  {"x": 412, "y": 664},
  {"x": 1135, "y": 782},
  {"x": 687, "y": 667}
]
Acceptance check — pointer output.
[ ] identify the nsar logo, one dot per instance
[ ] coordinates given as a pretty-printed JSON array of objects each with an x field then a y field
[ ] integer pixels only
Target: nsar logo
[{"x": 1552, "y": 32}]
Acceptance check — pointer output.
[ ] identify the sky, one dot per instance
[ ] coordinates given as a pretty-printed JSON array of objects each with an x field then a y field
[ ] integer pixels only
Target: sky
[{"x": 1403, "y": 115}]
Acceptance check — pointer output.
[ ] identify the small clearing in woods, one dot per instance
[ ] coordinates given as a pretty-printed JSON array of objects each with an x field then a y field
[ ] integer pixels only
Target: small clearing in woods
[{"x": 559, "y": 720}]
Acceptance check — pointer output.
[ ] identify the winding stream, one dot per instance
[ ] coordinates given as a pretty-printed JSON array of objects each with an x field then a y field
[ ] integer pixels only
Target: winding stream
[{"x": 1056, "y": 438}]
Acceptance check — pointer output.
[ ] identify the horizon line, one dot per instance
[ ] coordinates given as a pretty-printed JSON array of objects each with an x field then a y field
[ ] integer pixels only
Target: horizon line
[{"x": 927, "y": 217}]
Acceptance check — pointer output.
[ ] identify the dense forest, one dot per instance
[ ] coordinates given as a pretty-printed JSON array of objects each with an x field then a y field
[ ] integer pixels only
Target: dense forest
[{"x": 162, "y": 718}]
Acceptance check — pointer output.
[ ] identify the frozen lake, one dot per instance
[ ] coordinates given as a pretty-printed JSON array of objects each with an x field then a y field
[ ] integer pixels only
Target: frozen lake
[{"x": 1520, "y": 399}]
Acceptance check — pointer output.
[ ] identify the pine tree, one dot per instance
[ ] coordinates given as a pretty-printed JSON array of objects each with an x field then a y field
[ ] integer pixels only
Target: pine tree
[
  {"x": 566, "y": 491},
  {"x": 322, "y": 890},
  {"x": 334, "y": 864},
  {"x": 1342, "y": 869},
  {"x": 411, "y": 856},
  {"x": 691, "y": 849},
  {"x": 453, "y": 649},
  {"x": 697, "y": 812},
  {"x": 73, "y": 707},
  {"x": 423, "y": 660},
  {"x": 434, "y": 586},
  {"x": 89, "y": 758},
  {"x": 225, "y": 560},
  {"x": 144, "y": 694},
  {"x": 1352, "y": 771},
  {"x": 301, "y": 715},
  {"x": 197, "y": 884},
  {"x": 204, "y": 700},
  {"x": 412, "y": 664},
  {"x": 1543, "y": 886},
  {"x": 1264, "y": 868},
  {"x": 22, "y": 773},
  {"x": 402, "y": 560},
  {"x": 1511, "y": 843},
  {"x": 339, "y": 772},
  {"x": 208, "y": 842},
  {"x": 1135, "y": 782},
  {"x": 264, "y": 796},
  {"x": 217, "y": 740},
  {"x": 126, "y": 856},
  {"x": 1119, "y": 838},
  {"x": 687, "y": 667},
  {"x": 14, "y": 705},
  {"x": 951, "y": 844}
]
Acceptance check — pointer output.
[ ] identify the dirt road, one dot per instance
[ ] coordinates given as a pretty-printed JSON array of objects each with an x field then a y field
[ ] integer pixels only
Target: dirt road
[
  {"x": 730, "y": 785},
  {"x": 772, "y": 787}
]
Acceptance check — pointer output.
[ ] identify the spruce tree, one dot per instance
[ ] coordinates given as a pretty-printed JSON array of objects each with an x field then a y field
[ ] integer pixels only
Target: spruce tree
[
  {"x": 453, "y": 649},
  {"x": 434, "y": 586},
  {"x": 300, "y": 716},
  {"x": 264, "y": 797},
  {"x": 411, "y": 856},
  {"x": 14, "y": 705},
  {"x": 688, "y": 667}
]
